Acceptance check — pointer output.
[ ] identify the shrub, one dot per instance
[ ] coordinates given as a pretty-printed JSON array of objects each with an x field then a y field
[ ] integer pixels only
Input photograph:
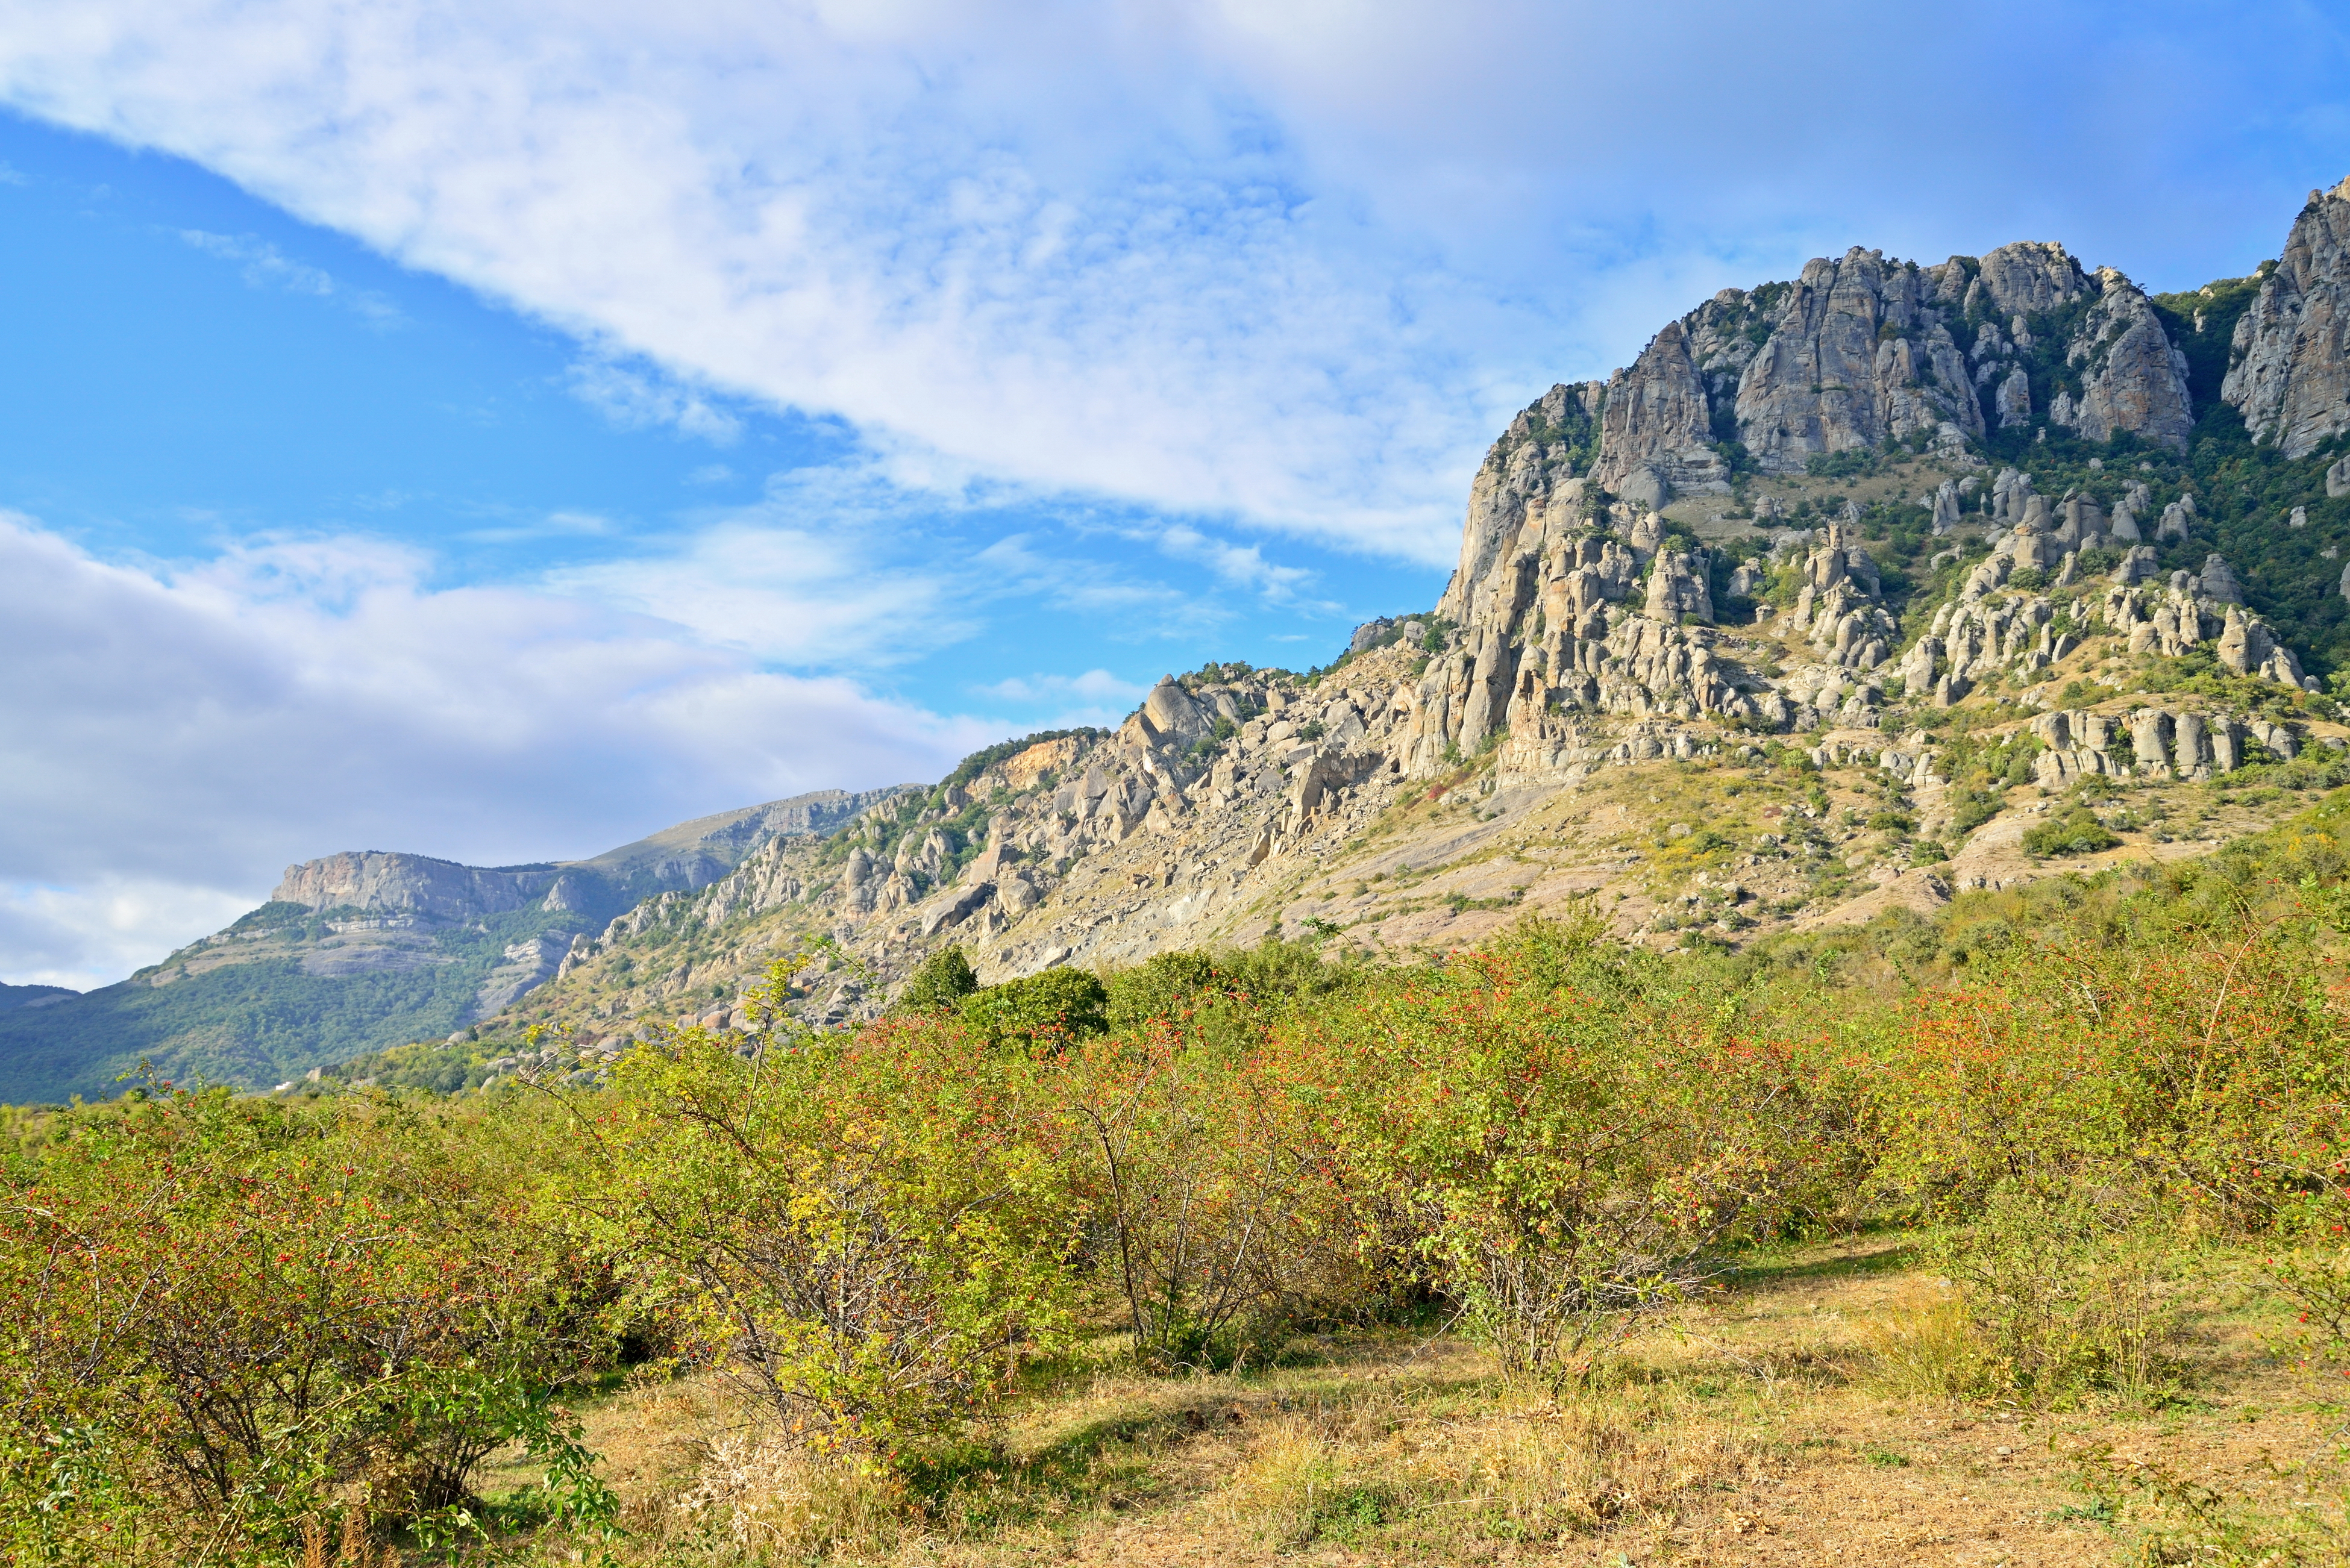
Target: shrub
[
  {"x": 1224, "y": 1221},
  {"x": 228, "y": 1313},
  {"x": 940, "y": 983},
  {"x": 1040, "y": 1011},
  {"x": 1162, "y": 987},
  {"x": 866, "y": 1239},
  {"x": 2062, "y": 1293},
  {"x": 2077, "y": 832},
  {"x": 1566, "y": 1154}
]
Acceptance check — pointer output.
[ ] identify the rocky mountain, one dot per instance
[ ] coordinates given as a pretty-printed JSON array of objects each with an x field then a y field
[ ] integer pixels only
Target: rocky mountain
[
  {"x": 1851, "y": 592},
  {"x": 1854, "y": 591},
  {"x": 365, "y": 949}
]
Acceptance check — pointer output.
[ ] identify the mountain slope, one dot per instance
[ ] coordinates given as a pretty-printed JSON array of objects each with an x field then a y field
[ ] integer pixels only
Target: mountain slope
[
  {"x": 361, "y": 950},
  {"x": 1851, "y": 592}
]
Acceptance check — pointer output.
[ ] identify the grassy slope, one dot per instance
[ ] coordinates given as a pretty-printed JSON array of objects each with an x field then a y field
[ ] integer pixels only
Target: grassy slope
[
  {"x": 251, "y": 1023},
  {"x": 1773, "y": 1421}
]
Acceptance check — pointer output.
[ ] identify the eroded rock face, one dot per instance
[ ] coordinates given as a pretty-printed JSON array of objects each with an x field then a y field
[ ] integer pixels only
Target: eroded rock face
[
  {"x": 2289, "y": 363},
  {"x": 416, "y": 884},
  {"x": 1655, "y": 420},
  {"x": 1860, "y": 350},
  {"x": 2030, "y": 276},
  {"x": 2133, "y": 377}
]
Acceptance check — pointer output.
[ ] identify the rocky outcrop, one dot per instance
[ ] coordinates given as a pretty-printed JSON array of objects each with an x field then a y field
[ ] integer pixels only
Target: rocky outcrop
[
  {"x": 2289, "y": 363},
  {"x": 1858, "y": 350},
  {"x": 2152, "y": 743},
  {"x": 2193, "y": 610},
  {"x": 2133, "y": 377},
  {"x": 376, "y": 881},
  {"x": 1656, "y": 426},
  {"x": 2029, "y": 277},
  {"x": 690, "y": 855}
]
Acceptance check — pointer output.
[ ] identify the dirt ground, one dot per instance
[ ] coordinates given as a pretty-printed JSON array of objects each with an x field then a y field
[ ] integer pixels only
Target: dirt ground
[{"x": 1754, "y": 1426}]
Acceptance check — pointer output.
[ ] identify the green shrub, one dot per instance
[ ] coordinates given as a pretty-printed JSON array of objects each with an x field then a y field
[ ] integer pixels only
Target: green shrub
[
  {"x": 2077, "y": 832},
  {"x": 1162, "y": 987},
  {"x": 1039, "y": 1011},
  {"x": 940, "y": 983}
]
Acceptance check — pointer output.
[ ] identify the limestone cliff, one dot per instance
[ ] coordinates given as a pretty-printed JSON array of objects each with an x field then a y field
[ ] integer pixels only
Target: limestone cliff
[
  {"x": 1851, "y": 354},
  {"x": 2289, "y": 366},
  {"x": 1860, "y": 350}
]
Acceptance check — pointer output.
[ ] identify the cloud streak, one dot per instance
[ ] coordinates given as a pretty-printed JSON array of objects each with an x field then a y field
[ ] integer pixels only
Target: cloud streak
[{"x": 1284, "y": 264}]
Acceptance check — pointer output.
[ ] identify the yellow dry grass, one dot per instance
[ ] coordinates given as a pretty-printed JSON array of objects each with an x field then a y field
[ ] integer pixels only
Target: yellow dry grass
[{"x": 1810, "y": 1415}]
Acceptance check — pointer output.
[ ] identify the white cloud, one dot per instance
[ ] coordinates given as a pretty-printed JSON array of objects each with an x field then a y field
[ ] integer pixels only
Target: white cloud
[
  {"x": 95, "y": 934},
  {"x": 1241, "y": 566},
  {"x": 1095, "y": 686},
  {"x": 788, "y": 593},
  {"x": 170, "y": 736},
  {"x": 1096, "y": 698},
  {"x": 1287, "y": 263}
]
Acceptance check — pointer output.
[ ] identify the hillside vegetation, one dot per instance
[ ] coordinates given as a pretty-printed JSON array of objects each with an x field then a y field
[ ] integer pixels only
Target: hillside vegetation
[{"x": 2029, "y": 1219}]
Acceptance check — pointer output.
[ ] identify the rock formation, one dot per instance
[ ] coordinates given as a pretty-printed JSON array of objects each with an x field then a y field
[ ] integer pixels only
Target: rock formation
[
  {"x": 2289, "y": 363},
  {"x": 1859, "y": 350},
  {"x": 2133, "y": 377}
]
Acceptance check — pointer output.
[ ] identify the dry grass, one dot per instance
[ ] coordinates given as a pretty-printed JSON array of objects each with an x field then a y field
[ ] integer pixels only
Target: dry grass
[{"x": 1811, "y": 1415}]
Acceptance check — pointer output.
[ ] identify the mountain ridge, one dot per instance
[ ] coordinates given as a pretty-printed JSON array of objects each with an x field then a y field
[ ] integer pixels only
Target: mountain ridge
[
  {"x": 1853, "y": 592},
  {"x": 367, "y": 949}
]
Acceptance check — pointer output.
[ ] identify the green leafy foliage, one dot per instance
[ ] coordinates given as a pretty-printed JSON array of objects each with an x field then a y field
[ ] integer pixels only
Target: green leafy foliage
[
  {"x": 230, "y": 1315},
  {"x": 226, "y": 1312},
  {"x": 940, "y": 983},
  {"x": 1039, "y": 1011},
  {"x": 2076, "y": 832}
]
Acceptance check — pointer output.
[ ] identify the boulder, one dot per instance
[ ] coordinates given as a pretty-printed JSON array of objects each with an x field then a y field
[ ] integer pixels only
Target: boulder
[
  {"x": 2217, "y": 581},
  {"x": 1946, "y": 507}
]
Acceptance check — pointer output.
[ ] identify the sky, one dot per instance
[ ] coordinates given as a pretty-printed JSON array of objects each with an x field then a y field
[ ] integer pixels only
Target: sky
[{"x": 497, "y": 430}]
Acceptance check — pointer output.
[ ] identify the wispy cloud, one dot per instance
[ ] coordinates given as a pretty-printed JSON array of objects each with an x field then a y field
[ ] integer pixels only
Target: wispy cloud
[
  {"x": 784, "y": 595},
  {"x": 1284, "y": 264},
  {"x": 636, "y": 399},
  {"x": 1242, "y": 566},
  {"x": 1094, "y": 686},
  {"x": 264, "y": 266}
]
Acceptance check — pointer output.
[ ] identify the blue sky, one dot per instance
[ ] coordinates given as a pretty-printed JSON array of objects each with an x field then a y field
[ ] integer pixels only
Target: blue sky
[{"x": 499, "y": 430}]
